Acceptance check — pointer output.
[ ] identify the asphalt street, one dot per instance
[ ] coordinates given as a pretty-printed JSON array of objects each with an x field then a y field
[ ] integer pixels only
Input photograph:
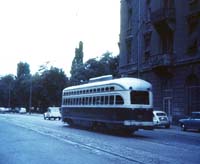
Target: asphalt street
[
  {"x": 22, "y": 146},
  {"x": 31, "y": 139}
]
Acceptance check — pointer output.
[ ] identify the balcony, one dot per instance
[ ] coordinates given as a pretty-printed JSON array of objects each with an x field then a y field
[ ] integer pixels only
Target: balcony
[
  {"x": 128, "y": 68},
  {"x": 194, "y": 9},
  {"x": 160, "y": 63},
  {"x": 129, "y": 34},
  {"x": 163, "y": 19},
  {"x": 147, "y": 28}
]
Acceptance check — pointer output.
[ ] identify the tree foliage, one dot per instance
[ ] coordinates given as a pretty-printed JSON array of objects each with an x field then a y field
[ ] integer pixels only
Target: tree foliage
[
  {"x": 77, "y": 64},
  {"x": 6, "y": 88},
  {"x": 106, "y": 65},
  {"x": 23, "y": 70},
  {"x": 48, "y": 87},
  {"x": 81, "y": 72},
  {"x": 44, "y": 88}
]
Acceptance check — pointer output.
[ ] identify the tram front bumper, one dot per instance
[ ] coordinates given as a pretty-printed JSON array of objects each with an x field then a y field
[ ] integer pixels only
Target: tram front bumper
[{"x": 140, "y": 124}]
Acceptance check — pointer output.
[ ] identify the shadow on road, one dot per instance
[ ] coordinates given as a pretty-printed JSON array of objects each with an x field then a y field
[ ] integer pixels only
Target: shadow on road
[{"x": 106, "y": 131}]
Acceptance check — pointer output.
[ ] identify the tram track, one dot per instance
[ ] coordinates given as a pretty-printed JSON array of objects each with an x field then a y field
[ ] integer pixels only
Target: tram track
[
  {"x": 143, "y": 147},
  {"x": 123, "y": 153},
  {"x": 79, "y": 141},
  {"x": 55, "y": 134}
]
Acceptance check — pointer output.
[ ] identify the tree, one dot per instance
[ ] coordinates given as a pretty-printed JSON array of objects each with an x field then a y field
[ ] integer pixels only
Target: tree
[
  {"x": 23, "y": 69},
  {"x": 47, "y": 88},
  {"x": 106, "y": 65},
  {"x": 6, "y": 90},
  {"x": 77, "y": 64}
]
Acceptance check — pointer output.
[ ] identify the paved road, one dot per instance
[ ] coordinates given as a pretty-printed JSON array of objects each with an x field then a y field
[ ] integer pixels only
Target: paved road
[
  {"x": 22, "y": 146},
  {"x": 30, "y": 138}
]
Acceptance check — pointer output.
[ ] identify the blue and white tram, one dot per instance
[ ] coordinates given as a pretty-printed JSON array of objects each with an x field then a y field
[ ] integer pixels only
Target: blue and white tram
[{"x": 124, "y": 103}]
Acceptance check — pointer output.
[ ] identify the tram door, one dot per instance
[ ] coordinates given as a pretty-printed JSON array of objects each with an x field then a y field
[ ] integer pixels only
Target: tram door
[{"x": 167, "y": 106}]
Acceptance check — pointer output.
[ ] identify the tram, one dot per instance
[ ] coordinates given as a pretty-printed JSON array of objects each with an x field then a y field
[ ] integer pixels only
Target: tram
[{"x": 120, "y": 104}]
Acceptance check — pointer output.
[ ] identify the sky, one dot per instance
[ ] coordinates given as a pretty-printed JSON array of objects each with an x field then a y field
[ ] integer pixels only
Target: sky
[{"x": 41, "y": 31}]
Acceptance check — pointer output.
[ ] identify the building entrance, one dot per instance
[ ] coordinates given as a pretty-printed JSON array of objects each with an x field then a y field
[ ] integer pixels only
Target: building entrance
[
  {"x": 167, "y": 106},
  {"x": 193, "y": 99}
]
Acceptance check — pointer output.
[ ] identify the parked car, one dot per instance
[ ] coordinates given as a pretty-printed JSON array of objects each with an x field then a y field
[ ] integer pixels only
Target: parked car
[
  {"x": 160, "y": 119},
  {"x": 4, "y": 110},
  {"x": 22, "y": 110},
  {"x": 52, "y": 112},
  {"x": 192, "y": 122}
]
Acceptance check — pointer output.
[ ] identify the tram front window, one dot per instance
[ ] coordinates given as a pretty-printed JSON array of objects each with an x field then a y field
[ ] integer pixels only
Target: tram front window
[{"x": 139, "y": 97}]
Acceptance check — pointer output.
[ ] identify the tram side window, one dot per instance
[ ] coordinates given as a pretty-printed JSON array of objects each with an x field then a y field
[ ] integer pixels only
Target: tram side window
[
  {"x": 102, "y": 100},
  {"x": 86, "y": 101},
  {"x": 76, "y": 101},
  {"x": 112, "y": 88},
  {"x": 90, "y": 100},
  {"x": 94, "y": 101},
  {"x": 106, "y": 100},
  {"x": 98, "y": 100},
  {"x": 139, "y": 97},
  {"x": 111, "y": 102},
  {"x": 119, "y": 100},
  {"x": 79, "y": 101}
]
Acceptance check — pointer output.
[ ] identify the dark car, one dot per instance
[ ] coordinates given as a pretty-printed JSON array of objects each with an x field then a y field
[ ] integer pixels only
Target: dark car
[{"x": 192, "y": 122}]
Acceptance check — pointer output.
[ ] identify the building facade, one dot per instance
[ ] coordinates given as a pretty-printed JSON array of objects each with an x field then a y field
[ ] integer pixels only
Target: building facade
[{"x": 160, "y": 43}]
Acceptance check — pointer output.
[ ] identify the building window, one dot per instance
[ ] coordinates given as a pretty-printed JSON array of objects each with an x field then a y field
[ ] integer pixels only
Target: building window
[
  {"x": 168, "y": 3},
  {"x": 130, "y": 15},
  {"x": 167, "y": 42},
  {"x": 129, "y": 51},
  {"x": 147, "y": 45},
  {"x": 193, "y": 34},
  {"x": 148, "y": 11},
  {"x": 193, "y": 4},
  {"x": 192, "y": 94}
]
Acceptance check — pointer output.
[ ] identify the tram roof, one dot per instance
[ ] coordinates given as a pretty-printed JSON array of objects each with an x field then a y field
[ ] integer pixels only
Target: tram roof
[{"x": 126, "y": 83}]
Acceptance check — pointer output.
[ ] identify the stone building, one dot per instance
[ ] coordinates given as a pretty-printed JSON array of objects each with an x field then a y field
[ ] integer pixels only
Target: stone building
[{"x": 160, "y": 43}]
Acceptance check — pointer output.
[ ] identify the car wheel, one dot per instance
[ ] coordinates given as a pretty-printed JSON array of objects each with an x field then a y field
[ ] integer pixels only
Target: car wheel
[
  {"x": 45, "y": 117},
  {"x": 183, "y": 128}
]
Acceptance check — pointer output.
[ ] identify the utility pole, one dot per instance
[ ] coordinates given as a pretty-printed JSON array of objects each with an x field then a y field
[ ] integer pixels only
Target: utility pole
[
  {"x": 9, "y": 95},
  {"x": 139, "y": 46},
  {"x": 30, "y": 96}
]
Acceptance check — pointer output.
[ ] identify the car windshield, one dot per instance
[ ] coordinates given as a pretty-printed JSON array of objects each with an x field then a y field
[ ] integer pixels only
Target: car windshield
[
  {"x": 160, "y": 114},
  {"x": 139, "y": 97},
  {"x": 54, "y": 110}
]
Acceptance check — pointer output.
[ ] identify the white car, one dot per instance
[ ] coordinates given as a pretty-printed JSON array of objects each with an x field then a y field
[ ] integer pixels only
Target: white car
[
  {"x": 52, "y": 112},
  {"x": 22, "y": 110},
  {"x": 2, "y": 110},
  {"x": 160, "y": 119}
]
